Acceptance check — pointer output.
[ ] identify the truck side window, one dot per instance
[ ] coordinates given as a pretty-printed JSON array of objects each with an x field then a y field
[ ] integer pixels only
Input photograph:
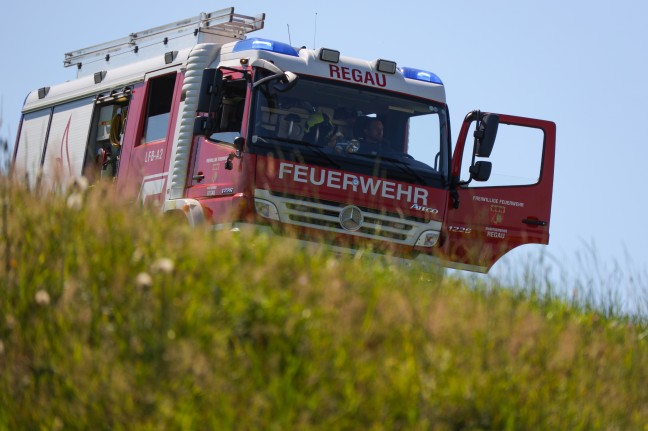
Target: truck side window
[
  {"x": 231, "y": 113},
  {"x": 105, "y": 140},
  {"x": 158, "y": 111},
  {"x": 423, "y": 130}
]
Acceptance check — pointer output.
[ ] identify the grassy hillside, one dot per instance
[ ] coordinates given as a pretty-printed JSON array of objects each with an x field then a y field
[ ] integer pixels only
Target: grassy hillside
[{"x": 114, "y": 318}]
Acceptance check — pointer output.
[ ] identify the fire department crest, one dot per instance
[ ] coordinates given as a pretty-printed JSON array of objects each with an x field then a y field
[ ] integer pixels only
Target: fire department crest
[{"x": 497, "y": 213}]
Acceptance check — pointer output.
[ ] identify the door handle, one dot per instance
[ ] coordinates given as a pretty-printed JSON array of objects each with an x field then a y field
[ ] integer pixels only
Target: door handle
[
  {"x": 534, "y": 222},
  {"x": 198, "y": 178}
]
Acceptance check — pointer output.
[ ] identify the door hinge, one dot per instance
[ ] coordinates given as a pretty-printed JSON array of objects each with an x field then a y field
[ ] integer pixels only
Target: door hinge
[{"x": 454, "y": 195}]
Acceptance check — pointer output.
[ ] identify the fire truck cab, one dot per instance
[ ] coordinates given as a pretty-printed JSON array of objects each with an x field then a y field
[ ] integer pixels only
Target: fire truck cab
[{"x": 234, "y": 131}]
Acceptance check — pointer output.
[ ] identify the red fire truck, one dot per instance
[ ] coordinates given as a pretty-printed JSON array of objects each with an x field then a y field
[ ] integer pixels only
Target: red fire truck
[{"x": 233, "y": 131}]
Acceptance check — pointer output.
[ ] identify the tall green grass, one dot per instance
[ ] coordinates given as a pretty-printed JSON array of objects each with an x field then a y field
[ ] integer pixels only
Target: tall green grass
[
  {"x": 613, "y": 287},
  {"x": 4, "y": 150},
  {"x": 113, "y": 317}
]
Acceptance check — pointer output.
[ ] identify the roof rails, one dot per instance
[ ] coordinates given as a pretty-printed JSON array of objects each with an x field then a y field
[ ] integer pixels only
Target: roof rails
[{"x": 216, "y": 27}]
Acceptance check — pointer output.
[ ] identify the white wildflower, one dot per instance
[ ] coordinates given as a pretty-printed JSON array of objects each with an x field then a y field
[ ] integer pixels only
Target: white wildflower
[
  {"x": 78, "y": 184},
  {"x": 75, "y": 201},
  {"x": 42, "y": 297},
  {"x": 163, "y": 266},
  {"x": 143, "y": 280}
]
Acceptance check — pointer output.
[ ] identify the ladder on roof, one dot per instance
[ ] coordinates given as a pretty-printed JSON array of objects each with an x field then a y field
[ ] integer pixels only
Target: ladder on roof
[{"x": 222, "y": 24}]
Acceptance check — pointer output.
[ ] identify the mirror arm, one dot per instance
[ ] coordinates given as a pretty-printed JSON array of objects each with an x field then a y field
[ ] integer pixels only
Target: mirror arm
[
  {"x": 228, "y": 163},
  {"x": 265, "y": 64},
  {"x": 239, "y": 143},
  {"x": 268, "y": 78},
  {"x": 465, "y": 183},
  {"x": 233, "y": 155},
  {"x": 473, "y": 115},
  {"x": 478, "y": 134}
]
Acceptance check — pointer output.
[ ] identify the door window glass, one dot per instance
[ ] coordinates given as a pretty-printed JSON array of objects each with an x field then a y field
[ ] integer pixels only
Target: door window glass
[
  {"x": 158, "y": 112},
  {"x": 516, "y": 157}
]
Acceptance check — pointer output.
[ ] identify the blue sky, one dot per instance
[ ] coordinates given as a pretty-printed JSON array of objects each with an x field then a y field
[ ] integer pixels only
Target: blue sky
[{"x": 582, "y": 64}]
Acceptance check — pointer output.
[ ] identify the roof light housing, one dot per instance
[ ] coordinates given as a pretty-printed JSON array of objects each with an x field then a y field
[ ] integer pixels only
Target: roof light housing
[
  {"x": 420, "y": 75},
  {"x": 99, "y": 76},
  {"x": 260, "y": 44},
  {"x": 386, "y": 66},
  {"x": 329, "y": 55},
  {"x": 169, "y": 56},
  {"x": 42, "y": 92}
]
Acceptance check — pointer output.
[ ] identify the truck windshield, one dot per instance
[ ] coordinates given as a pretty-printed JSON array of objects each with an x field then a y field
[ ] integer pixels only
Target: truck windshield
[{"x": 353, "y": 127}]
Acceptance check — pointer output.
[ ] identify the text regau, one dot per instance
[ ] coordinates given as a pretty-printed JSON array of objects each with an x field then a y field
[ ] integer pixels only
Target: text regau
[
  {"x": 356, "y": 75},
  {"x": 345, "y": 181}
]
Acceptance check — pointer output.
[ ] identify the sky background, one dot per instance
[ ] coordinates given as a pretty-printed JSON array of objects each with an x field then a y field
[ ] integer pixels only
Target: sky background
[{"x": 581, "y": 64}]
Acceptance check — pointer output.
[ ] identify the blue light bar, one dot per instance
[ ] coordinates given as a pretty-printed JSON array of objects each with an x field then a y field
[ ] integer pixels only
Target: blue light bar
[
  {"x": 265, "y": 45},
  {"x": 420, "y": 75}
]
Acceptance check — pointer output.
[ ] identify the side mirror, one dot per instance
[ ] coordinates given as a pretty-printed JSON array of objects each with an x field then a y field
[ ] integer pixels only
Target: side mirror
[
  {"x": 211, "y": 88},
  {"x": 483, "y": 146},
  {"x": 288, "y": 81},
  {"x": 239, "y": 143},
  {"x": 481, "y": 171},
  {"x": 485, "y": 135}
]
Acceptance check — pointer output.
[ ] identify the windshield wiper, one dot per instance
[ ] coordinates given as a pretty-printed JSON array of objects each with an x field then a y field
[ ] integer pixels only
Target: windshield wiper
[
  {"x": 403, "y": 166},
  {"x": 318, "y": 149}
]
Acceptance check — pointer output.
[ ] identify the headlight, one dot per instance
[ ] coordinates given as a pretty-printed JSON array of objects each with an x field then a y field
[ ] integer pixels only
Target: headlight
[
  {"x": 266, "y": 209},
  {"x": 428, "y": 238}
]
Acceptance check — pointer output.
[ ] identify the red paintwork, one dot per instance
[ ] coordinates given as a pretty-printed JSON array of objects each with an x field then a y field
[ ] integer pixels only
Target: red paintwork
[
  {"x": 487, "y": 224},
  {"x": 494, "y": 215},
  {"x": 334, "y": 185},
  {"x": 227, "y": 193},
  {"x": 141, "y": 163}
]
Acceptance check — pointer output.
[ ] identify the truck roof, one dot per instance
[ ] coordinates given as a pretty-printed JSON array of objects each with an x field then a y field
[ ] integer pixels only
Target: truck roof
[
  {"x": 351, "y": 70},
  {"x": 125, "y": 61},
  {"x": 219, "y": 27}
]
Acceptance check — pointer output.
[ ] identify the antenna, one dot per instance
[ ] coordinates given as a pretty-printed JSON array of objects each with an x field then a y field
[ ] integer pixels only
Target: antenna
[
  {"x": 315, "y": 35},
  {"x": 289, "y": 41}
]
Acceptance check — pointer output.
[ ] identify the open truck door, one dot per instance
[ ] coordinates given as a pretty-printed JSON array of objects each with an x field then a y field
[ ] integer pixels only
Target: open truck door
[{"x": 502, "y": 185}]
